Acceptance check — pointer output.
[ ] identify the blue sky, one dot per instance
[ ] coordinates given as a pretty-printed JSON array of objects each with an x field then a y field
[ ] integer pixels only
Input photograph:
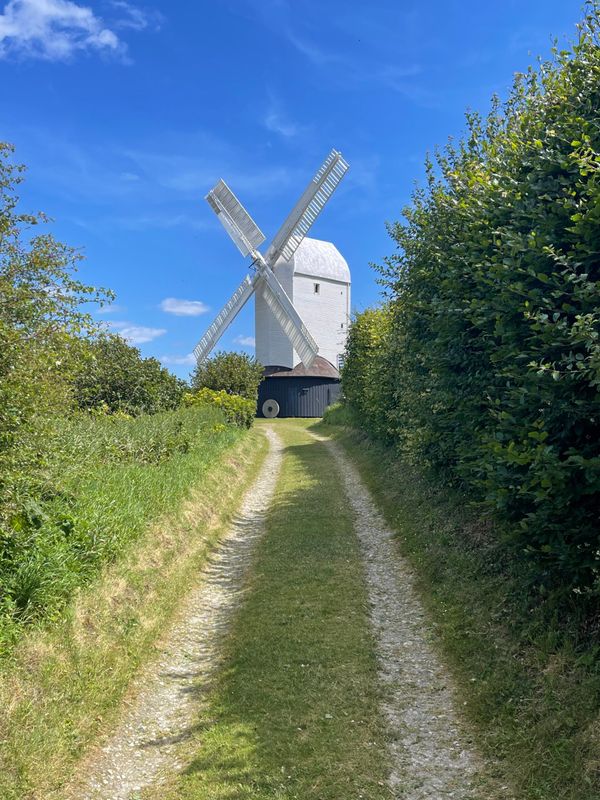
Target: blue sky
[{"x": 126, "y": 113}]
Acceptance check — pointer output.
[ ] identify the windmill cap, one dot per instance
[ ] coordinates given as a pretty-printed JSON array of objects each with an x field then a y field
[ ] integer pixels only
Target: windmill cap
[{"x": 321, "y": 260}]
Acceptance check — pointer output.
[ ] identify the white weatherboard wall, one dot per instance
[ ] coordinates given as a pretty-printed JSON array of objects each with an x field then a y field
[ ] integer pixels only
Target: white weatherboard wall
[{"x": 326, "y": 312}]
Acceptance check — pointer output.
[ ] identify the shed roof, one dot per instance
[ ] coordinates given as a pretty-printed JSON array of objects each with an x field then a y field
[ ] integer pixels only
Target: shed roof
[{"x": 321, "y": 259}]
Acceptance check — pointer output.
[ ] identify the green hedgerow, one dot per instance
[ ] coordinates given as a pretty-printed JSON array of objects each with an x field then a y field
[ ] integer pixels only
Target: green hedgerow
[{"x": 490, "y": 366}]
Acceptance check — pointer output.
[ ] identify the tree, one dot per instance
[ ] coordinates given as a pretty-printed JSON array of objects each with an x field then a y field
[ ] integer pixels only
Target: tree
[
  {"x": 41, "y": 336},
  {"x": 114, "y": 375},
  {"x": 235, "y": 373}
]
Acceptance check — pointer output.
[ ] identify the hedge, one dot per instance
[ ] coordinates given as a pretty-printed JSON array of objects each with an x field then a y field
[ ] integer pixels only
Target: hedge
[{"x": 489, "y": 357}]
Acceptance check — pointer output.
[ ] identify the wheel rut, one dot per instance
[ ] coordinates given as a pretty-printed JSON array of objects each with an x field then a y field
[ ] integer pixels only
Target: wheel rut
[
  {"x": 432, "y": 753},
  {"x": 149, "y": 738}
]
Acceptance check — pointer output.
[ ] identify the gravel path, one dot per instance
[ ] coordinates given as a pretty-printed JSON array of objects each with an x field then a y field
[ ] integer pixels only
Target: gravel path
[
  {"x": 161, "y": 717},
  {"x": 431, "y": 752}
]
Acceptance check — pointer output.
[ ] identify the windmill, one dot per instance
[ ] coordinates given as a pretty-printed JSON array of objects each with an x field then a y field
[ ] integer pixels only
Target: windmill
[{"x": 263, "y": 282}]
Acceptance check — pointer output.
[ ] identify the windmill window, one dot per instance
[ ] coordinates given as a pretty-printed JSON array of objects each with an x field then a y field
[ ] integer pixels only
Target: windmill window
[{"x": 317, "y": 288}]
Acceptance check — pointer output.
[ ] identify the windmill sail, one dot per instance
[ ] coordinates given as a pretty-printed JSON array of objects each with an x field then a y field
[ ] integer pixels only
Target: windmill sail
[
  {"x": 235, "y": 219},
  {"x": 287, "y": 317},
  {"x": 308, "y": 208},
  {"x": 225, "y": 317}
]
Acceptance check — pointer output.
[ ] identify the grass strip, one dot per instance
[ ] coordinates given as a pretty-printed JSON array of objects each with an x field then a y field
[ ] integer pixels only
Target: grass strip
[
  {"x": 294, "y": 712},
  {"x": 527, "y": 679},
  {"x": 64, "y": 682}
]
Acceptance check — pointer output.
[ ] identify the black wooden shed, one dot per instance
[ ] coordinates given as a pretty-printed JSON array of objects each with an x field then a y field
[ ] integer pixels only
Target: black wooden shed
[{"x": 298, "y": 392}]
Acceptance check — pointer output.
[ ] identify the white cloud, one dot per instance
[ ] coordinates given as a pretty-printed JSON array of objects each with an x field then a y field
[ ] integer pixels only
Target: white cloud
[
  {"x": 53, "y": 30},
  {"x": 186, "y": 361},
  {"x": 184, "y": 308},
  {"x": 245, "y": 341},
  {"x": 111, "y": 309},
  {"x": 137, "y": 334}
]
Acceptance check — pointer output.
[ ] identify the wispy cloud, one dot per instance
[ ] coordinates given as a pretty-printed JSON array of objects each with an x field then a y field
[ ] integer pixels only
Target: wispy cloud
[
  {"x": 183, "y": 308},
  {"x": 397, "y": 77},
  {"x": 314, "y": 53},
  {"x": 245, "y": 341},
  {"x": 53, "y": 30},
  {"x": 137, "y": 334},
  {"x": 275, "y": 123},
  {"x": 186, "y": 361},
  {"x": 188, "y": 175},
  {"x": 164, "y": 221},
  {"x": 136, "y": 19},
  {"x": 154, "y": 186},
  {"x": 348, "y": 60}
]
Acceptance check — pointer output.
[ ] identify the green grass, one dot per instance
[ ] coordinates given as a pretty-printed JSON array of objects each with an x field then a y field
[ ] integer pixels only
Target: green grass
[
  {"x": 153, "y": 521},
  {"x": 294, "y": 712},
  {"x": 106, "y": 480},
  {"x": 529, "y": 677}
]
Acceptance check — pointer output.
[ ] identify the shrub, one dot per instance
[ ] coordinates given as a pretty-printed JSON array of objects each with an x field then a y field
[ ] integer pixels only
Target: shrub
[
  {"x": 492, "y": 359},
  {"x": 113, "y": 375},
  {"x": 363, "y": 376},
  {"x": 237, "y": 410},
  {"x": 234, "y": 373}
]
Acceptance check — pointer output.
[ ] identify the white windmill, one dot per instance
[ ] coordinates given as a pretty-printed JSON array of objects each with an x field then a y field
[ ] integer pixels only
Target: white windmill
[{"x": 277, "y": 318}]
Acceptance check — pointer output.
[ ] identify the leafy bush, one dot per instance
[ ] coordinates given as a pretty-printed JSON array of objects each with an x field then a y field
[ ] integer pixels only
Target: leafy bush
[
  {"x": 492, "y": 360},
  {"x": 237, "y": 410},
  {"x": 114, "y": 375},
  {"x": 234, "y": 373}
]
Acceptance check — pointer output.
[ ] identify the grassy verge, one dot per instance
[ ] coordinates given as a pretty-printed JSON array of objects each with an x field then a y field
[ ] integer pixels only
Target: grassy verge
[
  {"x": 64, "y": 680},
  {"x": 294, "y": 711},
  {"x": 105, "y": 480},
  {"x": 529, "y": 680}
]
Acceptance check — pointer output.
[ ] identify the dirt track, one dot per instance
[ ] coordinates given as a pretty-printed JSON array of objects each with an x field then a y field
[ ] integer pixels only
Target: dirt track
[{"x": 431, "y": 751}]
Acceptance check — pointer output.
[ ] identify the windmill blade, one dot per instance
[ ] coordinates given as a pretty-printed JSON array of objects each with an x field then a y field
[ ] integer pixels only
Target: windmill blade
[
  {"x": 225, "y": 317},
  {"x": 308, "y": 208},
  {"x": 287, "y": 317},
  {"x": 235, "y": 219}
]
